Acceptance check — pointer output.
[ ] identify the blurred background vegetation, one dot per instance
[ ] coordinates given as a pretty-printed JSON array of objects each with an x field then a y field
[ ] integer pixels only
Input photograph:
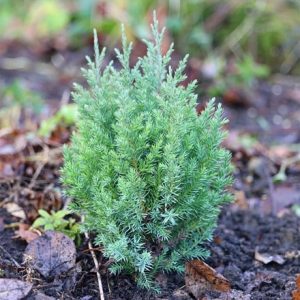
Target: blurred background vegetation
[
  {"x": 268, "y": 30},
  {"x": 231, "y": 43}
]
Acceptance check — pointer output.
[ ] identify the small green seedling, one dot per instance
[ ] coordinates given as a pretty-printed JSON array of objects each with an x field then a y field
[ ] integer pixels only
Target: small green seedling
[
  {"x": 66, "y": 116},
  {"x": 55, "y": 221},
  {"x": 247, "y": 73}
]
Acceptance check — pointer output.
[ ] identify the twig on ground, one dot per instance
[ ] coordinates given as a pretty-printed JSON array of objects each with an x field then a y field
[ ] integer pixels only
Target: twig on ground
[
  {"x": 109, "y": 290},
  {"x": 92, "y": 249},
  {"x": 36, "y": 175},
  {"x": 40, "y": 167},
  {"x": 101, "y": 293}
]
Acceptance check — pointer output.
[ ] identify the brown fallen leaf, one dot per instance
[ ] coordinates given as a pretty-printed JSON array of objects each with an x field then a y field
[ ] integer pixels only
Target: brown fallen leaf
[
  {"x": 51, "y": 254},
  {"x": 200, "y": 278},
  {"x": 296, "y": 292},
  {"x": 296, "y": 295},
  {"x": 298, "y": 281},
  {"x": 267, "y": 258},
  {"x": 25, "y": 233},
  {"x": 15, "y": 210},
  {"x": 17, "y": 144},
  {"x": 13, "y": 289}
]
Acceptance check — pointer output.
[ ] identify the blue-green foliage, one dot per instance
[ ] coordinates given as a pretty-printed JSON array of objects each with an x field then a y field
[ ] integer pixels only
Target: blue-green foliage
[{"x": 148, "y": 174}]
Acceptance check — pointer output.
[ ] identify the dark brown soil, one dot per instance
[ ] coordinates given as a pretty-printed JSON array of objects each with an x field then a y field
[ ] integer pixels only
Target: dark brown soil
[
  {"x": 237, "y": 237},
  {"x": 242, "y": 233},
  {"x": 10, "y": 249}
]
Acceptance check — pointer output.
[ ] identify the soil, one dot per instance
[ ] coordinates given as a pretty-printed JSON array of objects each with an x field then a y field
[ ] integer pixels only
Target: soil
[{"x": 237, "y": 237}]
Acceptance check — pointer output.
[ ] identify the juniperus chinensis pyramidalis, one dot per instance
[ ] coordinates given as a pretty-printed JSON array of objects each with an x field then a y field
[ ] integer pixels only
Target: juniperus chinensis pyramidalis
[{"x": 147, "y": 173}]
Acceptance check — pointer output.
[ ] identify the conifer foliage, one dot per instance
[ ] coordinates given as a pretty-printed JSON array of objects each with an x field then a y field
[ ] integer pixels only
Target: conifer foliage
[{"x": 147, "y": 173}]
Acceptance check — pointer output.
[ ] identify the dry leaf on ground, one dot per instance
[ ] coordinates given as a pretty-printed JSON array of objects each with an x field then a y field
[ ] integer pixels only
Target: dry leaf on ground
[
  {"x": 296, "y": 292},
  {"x": 16, "y": 145},
  {"x": 15, "y": 210},
  {"x": 200, "y": 278},
  {"x": 13, "y": 289},
  {"x": 25, "y": 233},
  {"x": 51, "y": 254},
  {"x": 267, "y": 258}
]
